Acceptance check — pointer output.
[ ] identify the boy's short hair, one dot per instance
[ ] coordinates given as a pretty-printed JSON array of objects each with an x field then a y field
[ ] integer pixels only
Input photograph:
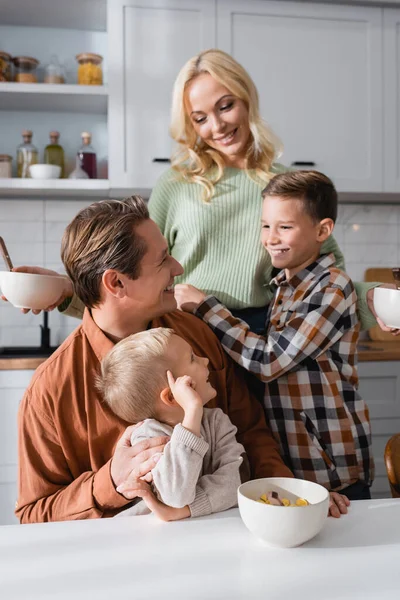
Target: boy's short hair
[
  {"x": 134, "y": 373},
  {"x": 100, "y": 237},
  {"x": 313, "y": 188}
]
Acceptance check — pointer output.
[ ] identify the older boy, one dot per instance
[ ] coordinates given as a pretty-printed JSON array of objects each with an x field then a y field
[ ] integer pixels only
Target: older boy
[
  {"x": 155, "y": 378},
  {"x": 308, "y": 354}
]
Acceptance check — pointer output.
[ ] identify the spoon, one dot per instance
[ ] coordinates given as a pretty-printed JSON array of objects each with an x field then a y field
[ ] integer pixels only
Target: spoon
[
  {"x": 396, "y": 277},
  {"x": 6, "y": 256}
]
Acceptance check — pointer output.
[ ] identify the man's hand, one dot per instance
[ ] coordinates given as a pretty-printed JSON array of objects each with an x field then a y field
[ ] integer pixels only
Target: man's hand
[
  {"x": 188, "y": 297},
  {"x": 162, "y": 511},
  {"x": 370, "y": 302},
  {"x": 338, "y": 504},
  {"x": 135, "y": 462},
  {"x": 67, "y": 292}
]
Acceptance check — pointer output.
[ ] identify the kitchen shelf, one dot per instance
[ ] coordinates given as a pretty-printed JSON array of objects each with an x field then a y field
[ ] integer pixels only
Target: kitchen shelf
[
  {"x": 54, "y": 188},
  {"x": 54, "y": 97}
]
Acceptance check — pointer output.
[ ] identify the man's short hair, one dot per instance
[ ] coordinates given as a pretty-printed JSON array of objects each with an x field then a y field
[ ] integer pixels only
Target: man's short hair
[
  {"x": 134, "y": 373},
  {"x": 313, "y": 188},
  {"x": 100, "y": 237}
]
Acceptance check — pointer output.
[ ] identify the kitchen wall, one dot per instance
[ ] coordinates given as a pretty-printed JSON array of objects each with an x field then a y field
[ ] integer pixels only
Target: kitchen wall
[{"x": 369, "y": 236}]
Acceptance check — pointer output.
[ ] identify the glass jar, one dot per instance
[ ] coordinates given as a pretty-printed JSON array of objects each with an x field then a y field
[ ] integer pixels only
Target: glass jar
[
  {"x": 54, "y": 72},
  {"x": 5, "y": 66},
  {"x": 27, "y": 155},
  {"x": 5, "y": 166},
  {"x": 90, "y": 71},
  {"x": 25, "y": 69}
]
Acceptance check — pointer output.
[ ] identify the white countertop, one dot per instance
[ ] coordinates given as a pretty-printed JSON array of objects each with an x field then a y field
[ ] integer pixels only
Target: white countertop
[{"x": 207, "y": 558}]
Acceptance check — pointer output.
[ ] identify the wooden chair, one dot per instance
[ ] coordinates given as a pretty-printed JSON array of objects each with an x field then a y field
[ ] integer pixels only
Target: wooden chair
[{"x": 392, "y": 463}]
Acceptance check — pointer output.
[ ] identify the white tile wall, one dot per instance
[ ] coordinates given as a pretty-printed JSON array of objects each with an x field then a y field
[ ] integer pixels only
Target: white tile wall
[{"x": 367, "y": 235}]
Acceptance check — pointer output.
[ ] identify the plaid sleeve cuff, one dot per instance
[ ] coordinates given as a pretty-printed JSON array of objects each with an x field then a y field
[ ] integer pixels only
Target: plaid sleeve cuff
[{"x": 208, "y": 307}]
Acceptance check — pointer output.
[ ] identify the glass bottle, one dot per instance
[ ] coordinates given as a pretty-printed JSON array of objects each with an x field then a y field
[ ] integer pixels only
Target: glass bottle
[
  {"x": 78, "y": 172},
  {"x": 54, "y": 153},
  {"x": 87, "y": 156},
  {"x": 27, "y": 154}
]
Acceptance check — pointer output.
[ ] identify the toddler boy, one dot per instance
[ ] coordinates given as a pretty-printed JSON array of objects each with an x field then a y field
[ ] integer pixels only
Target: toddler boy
[
  {"x": 154, "y": 379},
  {"x": 308, "y": 353}
]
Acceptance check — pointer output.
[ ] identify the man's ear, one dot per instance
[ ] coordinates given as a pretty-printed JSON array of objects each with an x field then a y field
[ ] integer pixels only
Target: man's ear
[
  {"x": 167, "y": 397},
  {"x": 325, "y": 228},
  {"x": 114, "y": 283}
]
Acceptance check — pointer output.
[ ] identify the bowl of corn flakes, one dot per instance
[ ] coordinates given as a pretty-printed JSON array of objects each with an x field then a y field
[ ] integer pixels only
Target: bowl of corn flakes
[{"x": 283, "y": 512}]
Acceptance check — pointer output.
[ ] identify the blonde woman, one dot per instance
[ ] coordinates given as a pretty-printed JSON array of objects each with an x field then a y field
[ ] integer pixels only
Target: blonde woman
[{"x": 208, "y": 202}]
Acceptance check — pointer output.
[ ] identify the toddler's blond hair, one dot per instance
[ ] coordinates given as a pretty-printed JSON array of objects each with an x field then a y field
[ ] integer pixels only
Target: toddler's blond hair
[{"x": 133, "y": 374}]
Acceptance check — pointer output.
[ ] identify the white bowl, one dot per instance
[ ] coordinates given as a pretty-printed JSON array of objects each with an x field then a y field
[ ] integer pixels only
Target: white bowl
[
  {"x": 28, "y": 290},
  {"x": 283, "y": 526},
  {"x": 387, "y": 306},
  {"x": 45, "y": 171}
]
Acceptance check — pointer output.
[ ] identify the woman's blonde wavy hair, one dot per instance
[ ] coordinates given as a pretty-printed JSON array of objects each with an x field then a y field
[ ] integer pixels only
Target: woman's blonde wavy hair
[{"x": 193, "y": 159}]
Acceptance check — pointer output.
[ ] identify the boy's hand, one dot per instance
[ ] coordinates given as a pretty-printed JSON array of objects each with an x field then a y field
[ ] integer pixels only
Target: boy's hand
[
  {"x": 162, "y": 511},
  {"x": 338, "y": 504},
  {"x": 183, "y": 390},
  {"x": 188, "y": 297},
  {"x": 188, "y": 399}
]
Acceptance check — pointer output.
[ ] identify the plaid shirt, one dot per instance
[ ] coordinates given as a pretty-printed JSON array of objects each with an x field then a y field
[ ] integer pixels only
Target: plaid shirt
[{"x": 308, "y": 359}]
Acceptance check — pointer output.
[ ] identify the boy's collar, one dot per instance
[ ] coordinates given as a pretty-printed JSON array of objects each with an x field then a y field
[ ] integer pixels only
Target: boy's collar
[{"x": 307, "y": 274}]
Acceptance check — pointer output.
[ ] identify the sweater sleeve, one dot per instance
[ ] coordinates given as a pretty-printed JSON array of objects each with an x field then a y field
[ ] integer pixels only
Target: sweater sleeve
[
  {"x": 47, "y": 490},
  {"x": 72, "y": 307},
  {"x": 217, "y": 491},
  {"x": 176, "y": 473}
]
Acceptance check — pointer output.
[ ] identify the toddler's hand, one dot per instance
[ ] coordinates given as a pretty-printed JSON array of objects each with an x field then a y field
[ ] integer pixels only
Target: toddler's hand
[
  {"x": 188, "y": 297},
  {"x": 183, "y": 390},
  {"x": 338, "y": 504},
  {"x": 162, "y": 511}
]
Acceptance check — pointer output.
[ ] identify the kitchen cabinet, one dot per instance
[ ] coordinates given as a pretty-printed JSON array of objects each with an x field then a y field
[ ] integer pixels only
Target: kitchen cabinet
[
  {"x": 148, "y": 44},
  {"x": 380, "y": 388},
  {"x": 41, "y": 30},
  {"x": 391, "y": 66},
  {"x": 318, "y": 70},
  {"x": 12, "y": 388}
]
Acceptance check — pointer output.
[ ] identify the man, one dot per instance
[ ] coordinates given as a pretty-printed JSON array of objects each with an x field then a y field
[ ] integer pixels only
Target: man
[{"x": 73, "y": 451}]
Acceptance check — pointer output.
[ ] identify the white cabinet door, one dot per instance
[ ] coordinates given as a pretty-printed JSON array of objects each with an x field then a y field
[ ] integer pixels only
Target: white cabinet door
[
  {"x": 318, "y": 70},
  {"x": 380, "y": 388},
  {"x": 12, "y": 388},
  {"x": 149, "y": 43},
  {"x": 391, "y": 66}
]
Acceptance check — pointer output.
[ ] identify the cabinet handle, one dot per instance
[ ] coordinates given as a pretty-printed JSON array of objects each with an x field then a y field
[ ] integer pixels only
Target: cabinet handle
[
  {"x": 162, "y": 160},
  {"x": 302, "y": 163}
]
